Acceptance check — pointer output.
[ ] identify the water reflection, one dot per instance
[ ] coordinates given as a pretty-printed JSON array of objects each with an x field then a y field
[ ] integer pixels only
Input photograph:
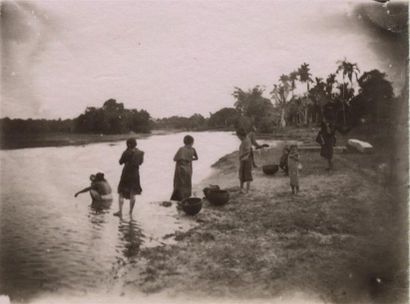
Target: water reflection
[{"x": 131, "y": 237}]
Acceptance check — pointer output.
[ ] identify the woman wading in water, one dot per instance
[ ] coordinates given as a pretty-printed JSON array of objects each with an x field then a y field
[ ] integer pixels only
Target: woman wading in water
[
  {"x": 129, "y": 185},
  {"x": 100, "y": 190},
  {"x": 183, "y": 170}
]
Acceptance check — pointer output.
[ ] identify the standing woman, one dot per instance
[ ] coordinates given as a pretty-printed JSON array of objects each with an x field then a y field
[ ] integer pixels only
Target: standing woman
[
  {"x": 327, "y": 139},
  {"x": 129, "y": 185},
  {"x": 245, "y": 161},
  {"x": 183, "y": 170}
]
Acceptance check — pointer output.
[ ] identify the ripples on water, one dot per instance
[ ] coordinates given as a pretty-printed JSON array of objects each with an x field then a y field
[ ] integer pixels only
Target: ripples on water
[{"x": 53, "y": 243}]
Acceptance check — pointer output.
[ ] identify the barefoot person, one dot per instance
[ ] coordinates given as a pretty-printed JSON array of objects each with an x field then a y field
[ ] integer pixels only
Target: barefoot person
[
  {"x": 100, "y": 189},
  {"x": 245, "y": 161},
  {"x": 293, "y": 168},
  {"x": 183, "y": 170},
  {"x": 129, "y": 185}
]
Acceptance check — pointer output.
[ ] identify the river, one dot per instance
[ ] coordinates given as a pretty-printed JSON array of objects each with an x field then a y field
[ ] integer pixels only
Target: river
[{"x": 54, "y": 243}]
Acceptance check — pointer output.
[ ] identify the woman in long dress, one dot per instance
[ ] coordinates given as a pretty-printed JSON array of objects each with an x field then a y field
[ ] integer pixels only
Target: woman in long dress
[
  {"x": 130, "y": 185},
  {"x": 245, "y": 161},
  {"x": 327, "y": 140},
  {"x": 183, "y": 170}
]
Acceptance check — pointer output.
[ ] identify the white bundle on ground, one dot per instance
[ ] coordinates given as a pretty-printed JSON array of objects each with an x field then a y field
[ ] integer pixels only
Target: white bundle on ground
[{"x": 359, "y": 145}]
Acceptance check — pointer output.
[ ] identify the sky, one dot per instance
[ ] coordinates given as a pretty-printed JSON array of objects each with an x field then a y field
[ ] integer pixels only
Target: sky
[{"x": 171, "y": 57}]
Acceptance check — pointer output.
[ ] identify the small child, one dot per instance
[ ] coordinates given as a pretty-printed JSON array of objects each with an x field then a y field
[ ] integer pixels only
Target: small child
[
  {"x": 293, "y": 167},
  {"x": 283, "y": 162}
]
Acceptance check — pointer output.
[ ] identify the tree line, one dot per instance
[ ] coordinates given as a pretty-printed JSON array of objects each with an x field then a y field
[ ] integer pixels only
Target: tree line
[
  {"x": 111, "y": 118},
  {"x": 296, "y": 99},
  {"x": 345, "y": 97}
]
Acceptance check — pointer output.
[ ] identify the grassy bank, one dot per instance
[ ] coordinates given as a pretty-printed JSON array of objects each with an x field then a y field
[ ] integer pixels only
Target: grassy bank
[{"x": 342, "y": 239}]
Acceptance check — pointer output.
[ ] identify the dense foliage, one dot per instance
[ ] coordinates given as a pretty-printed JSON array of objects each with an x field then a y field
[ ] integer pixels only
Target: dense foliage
[
  {"x": 22, "y": 126},
  {"x": 113, "y": 118},
  {"x": 344, "y": 97},
  {"x": 225, "y": 118},
  {"x": 195, "y": 122}
]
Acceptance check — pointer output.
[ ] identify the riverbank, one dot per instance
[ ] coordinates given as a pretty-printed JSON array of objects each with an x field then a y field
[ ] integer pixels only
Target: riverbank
[
  {"x": 342, "y": 239},
  {"x": 20, "y": 141}
]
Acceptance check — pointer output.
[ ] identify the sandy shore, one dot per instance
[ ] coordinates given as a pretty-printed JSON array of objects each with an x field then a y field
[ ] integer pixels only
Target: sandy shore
[{"x": 342, "y": 239}]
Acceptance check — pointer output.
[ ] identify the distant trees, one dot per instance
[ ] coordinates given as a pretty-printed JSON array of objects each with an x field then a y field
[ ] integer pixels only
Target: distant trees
[
  {"x": 195, "y": 122},
  {"x": 256, "y": 108},
  {"x": 224, "y": 118},
  {"x": 252, "y": 102},
  {"x": 34, "y": 126},
  {"x": 347, "y": 69},
  {"x": 346, "y": 102},
  {"x": 339, "y": 101},
  {"x": 280, "y": 96},
  {"x": 375, "y": 97},
  {"x": 113, "y": 118}
]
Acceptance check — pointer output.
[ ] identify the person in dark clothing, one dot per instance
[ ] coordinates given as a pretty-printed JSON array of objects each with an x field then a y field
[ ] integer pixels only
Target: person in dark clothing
[
  {"x": 327, "y": 140},
  {"x": 130, "y": 185},
  {"x": 283, "y": 162}
]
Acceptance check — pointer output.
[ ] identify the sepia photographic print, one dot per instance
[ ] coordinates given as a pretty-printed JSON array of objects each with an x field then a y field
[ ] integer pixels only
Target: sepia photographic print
[{"x": 204, "y": 151}]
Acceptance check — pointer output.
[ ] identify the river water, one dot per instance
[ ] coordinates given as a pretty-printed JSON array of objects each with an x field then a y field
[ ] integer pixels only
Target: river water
[{"x": 52, "y": 242}]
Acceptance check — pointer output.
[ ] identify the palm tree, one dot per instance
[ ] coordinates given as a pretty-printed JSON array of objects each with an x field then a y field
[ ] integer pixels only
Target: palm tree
[
  {"x": 293, "y": 76},
  {"x": 280, "y": 94},
  {"x": 284, "y": 78},
  {"x": 317, "y": 92},
  {"x": 347, "y": 69},
  {"x": 330, "y": 81},
  {"x": 304, "y": 76}
]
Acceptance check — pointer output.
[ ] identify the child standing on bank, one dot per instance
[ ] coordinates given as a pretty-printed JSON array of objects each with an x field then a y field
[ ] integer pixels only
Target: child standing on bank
[{"x": 293, "y": 168}]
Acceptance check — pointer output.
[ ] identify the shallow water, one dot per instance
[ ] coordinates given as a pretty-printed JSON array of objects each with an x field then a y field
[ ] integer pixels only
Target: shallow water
[{"x": 52, "y": 242}]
